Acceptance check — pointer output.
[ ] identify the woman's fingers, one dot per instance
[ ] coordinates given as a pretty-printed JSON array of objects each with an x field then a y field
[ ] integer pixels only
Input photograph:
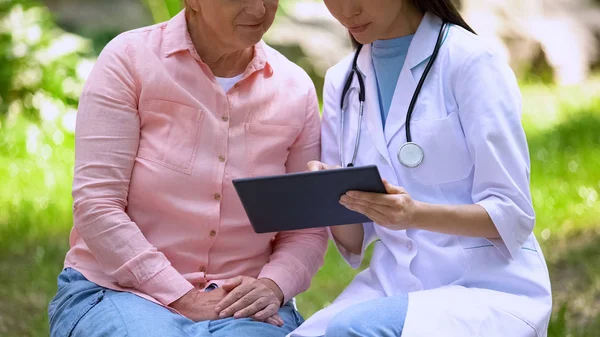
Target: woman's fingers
[
  {"x": 258, "y": 305},
  {"x": 274, "y": 321},
  {"x": 232, "y": 302},
  {"x": 233, "y": 283},
  {"x": 270, "y": 312}
]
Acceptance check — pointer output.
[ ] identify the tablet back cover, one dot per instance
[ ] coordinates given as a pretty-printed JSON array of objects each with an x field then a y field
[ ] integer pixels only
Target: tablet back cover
[{"x": 305, "y": 200}]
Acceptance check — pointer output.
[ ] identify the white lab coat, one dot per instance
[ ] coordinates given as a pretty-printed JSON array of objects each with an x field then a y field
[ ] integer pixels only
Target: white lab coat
[{"x": 467, "y": 120}]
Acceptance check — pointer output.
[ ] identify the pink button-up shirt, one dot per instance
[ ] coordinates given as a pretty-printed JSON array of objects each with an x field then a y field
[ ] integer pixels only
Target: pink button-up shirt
[{"x": 158, "y": 143}]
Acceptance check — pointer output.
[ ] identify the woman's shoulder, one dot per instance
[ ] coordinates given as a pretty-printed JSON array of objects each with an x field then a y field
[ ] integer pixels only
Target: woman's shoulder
[{"x": 133, "y": 39}]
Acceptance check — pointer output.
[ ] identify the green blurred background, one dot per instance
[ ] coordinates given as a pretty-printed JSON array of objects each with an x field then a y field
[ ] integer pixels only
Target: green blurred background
[{"x": 44, "y": 61}]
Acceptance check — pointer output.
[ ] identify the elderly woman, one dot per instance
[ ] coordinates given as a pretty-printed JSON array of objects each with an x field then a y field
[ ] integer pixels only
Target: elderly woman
[{"x": 161, "y": 245}]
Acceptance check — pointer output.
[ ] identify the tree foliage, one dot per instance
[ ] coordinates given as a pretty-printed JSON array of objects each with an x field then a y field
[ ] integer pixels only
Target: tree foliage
[{"x": 42, "y": 68}]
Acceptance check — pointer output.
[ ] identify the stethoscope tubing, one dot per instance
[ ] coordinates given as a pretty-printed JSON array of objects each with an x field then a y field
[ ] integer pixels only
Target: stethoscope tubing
[{"x": 361, "y": 97}]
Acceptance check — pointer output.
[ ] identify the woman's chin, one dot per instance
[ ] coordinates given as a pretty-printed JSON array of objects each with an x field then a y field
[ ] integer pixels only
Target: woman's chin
[{"x": 250, "y": 36}]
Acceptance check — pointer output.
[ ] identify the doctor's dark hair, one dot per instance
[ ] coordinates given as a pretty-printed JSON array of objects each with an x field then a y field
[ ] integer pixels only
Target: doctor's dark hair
[{"x": 445, "y": 9}]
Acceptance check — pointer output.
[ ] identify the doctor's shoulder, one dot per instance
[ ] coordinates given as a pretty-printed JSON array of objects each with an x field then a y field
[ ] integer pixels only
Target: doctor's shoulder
[
  {"x": 467, "y": 51},
  {"x": 335, "y": 76}
]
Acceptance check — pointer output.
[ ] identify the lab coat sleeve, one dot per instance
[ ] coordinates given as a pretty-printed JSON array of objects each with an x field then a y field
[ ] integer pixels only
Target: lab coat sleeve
[
  {"x": 298, "y": 255},
  {"x": 330, "y": 154},
  {"x": 489, "y": 105}
]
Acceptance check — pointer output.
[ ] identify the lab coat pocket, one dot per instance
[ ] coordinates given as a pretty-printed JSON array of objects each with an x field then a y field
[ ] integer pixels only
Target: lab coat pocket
[
  {"x": 170, "y": 133},
  {"x": 268, "y": 147},
  {"x": 447, "y": 157}
]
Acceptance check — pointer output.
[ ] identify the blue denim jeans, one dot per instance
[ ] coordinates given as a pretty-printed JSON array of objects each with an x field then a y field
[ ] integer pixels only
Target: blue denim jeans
[
  {"x": 84, "y": 309},
  {"x": 383, "y": 317}
]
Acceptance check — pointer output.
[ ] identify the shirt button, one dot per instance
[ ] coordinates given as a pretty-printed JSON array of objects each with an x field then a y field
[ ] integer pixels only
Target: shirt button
[
  {"x": 217, "y": 196},
  {"x": 213, "y": 233},
  {"x": 222, "y": 159},
  {"x": 409, "y": 245},
  {"x": 225, "y": 118}
]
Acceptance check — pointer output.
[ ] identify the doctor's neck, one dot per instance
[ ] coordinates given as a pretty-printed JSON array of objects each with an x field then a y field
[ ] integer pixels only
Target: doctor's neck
[{"x": 406, "y": 22}]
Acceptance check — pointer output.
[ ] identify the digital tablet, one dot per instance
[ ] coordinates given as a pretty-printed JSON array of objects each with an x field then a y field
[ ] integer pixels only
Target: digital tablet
[{"x": 305, "y": 200}]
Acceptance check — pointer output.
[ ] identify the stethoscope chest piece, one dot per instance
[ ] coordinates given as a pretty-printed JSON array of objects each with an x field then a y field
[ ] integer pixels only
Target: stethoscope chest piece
[{"x": 411, "y": 155}]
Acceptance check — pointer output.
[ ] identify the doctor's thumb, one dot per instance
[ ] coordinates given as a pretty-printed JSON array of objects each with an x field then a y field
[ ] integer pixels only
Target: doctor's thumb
[{"x": 391, "y": 189}]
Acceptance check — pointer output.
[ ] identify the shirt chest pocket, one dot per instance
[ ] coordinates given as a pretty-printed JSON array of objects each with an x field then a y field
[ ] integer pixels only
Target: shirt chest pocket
[
  {"x": 268, "y": 147},
  {"x": 447, "y": 157},
  {"x": 169, "y": 134}
]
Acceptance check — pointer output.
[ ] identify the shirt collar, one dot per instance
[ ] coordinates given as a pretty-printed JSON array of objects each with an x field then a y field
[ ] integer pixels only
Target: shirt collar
[
  {"x": 177, "y": 39},
  {"x": 425, "y": 38},
  {"x": 420, "y": 49}
]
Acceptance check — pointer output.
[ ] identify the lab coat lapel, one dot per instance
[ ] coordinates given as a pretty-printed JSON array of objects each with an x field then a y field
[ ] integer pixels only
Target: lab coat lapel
[
  {"x": 372, "y": 113},
  {"x": 420, "y": 50},
  {"x": 402, "y": 95}
]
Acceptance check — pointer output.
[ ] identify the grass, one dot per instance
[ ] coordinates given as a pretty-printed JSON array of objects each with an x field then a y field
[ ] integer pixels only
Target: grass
[{"x": 562, "y": 127}]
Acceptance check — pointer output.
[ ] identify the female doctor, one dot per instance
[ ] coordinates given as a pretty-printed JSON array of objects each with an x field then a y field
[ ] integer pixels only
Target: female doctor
[{"x": 439, "y": 114}]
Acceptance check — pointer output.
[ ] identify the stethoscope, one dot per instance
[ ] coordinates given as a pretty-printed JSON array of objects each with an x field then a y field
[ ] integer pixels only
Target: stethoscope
[{"x": 410, "y": 154}]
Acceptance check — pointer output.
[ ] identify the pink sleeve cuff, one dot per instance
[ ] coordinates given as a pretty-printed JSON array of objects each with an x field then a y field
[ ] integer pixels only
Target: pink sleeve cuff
[
  {"x": 166, "y": 286},
  {"x": 355, "y": 260},
  {"x": 287, "y": 282}
]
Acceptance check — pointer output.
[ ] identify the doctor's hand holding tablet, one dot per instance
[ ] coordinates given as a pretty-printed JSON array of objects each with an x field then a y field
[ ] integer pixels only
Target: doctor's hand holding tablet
[
  {"x": 326, "y": 195},
  {"x": 394, "y": 209}
]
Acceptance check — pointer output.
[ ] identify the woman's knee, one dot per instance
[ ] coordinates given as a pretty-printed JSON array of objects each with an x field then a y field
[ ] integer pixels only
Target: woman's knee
[
  {"x": 72, "y": 317},
  {"x": 382, "y": 317},
  {"x": 103, "y": 312},
  {"x": 101, "y": 318},
  {"x": 348, "y": 323}
]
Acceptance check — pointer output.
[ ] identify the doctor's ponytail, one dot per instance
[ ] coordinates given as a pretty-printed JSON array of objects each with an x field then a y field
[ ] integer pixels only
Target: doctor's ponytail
[{"x": 444, "y": 9}]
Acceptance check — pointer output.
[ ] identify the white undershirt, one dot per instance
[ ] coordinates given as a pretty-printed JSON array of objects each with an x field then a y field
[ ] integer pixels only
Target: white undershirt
[{"x": 228, "y": 82}]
